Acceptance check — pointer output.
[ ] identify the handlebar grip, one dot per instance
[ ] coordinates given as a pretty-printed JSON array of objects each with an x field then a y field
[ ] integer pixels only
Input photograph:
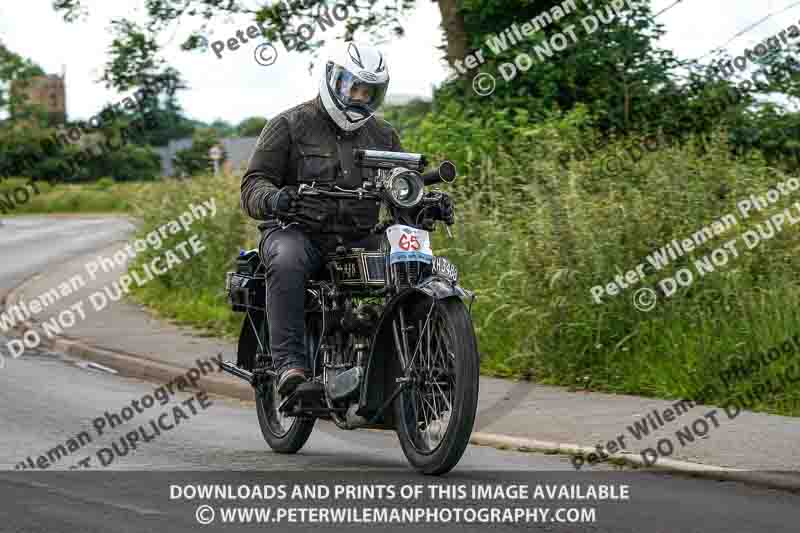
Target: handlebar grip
[{"x": 446, "y": 173}]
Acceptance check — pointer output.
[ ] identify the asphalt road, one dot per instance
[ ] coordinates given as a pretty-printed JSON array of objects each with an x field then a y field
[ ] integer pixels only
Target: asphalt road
[{"x": 49, "y": 400}]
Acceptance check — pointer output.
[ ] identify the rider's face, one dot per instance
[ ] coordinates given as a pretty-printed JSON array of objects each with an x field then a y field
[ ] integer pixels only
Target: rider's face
[{"x": 359, "y": 93}]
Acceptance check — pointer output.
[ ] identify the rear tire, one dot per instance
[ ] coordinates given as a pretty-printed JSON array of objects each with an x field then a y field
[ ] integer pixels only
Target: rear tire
[
  {"x": 442, "y": 399},
  {"x": 283, "y": 434}
]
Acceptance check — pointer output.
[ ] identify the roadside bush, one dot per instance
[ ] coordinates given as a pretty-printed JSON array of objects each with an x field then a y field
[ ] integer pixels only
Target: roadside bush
[{"x": 103, "y": 184}]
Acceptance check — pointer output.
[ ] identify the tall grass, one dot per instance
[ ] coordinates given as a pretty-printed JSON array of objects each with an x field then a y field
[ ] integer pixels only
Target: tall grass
[
  {"x": 534, "y": 238},
  {"x": 537, "y": 238},
  {"x": 103, "y": 196},
  {"x": 194, "y": 291}
]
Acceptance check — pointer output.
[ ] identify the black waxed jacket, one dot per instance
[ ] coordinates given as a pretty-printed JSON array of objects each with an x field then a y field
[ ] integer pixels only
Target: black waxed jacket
[{"x": 301, "y": 145}]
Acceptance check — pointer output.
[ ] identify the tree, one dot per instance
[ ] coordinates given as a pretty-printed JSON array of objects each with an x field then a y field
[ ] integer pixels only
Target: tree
[
  {"x": 15, "y": 69},
  {"x": 370, "y": 17},
  {"x": 613, "y": 67},
  {"x": 223, "y": 128},
  {"x": 133, "y": 64},
  {"x": 251, "y": 127}
]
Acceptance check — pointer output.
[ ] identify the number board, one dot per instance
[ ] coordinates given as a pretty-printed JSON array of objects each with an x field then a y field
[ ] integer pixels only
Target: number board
[{"x": 409, "y": 244}]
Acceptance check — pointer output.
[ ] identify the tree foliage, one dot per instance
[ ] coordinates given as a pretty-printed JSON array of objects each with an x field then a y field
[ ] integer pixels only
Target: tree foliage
[
  {"x": 251, "y": 127},
  {"x": 195, "y": 160},
  {"x": 617, "y": 71}
]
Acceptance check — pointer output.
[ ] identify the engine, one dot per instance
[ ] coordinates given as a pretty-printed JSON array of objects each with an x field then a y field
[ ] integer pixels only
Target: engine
[{"x": 345, "y": 351}]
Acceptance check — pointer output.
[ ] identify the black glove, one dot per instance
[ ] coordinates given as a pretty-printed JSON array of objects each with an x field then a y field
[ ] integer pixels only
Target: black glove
[
  {"x": 282, "y": 200},
  {"x": 313, "y": 211},
  {"x": 441, "y": 208}
]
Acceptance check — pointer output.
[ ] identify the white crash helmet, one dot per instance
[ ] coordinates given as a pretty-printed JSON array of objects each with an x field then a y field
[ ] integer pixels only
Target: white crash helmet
[{"x": 354, "y": 66}]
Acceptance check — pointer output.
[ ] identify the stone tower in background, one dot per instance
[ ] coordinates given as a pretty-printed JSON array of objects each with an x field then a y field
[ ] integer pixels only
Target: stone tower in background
[{"x": 49, "y": 92}]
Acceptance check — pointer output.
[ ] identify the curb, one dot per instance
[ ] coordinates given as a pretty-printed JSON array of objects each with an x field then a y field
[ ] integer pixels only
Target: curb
[
  {"x": 773, "y": 480},
  {"x": 152, "y": 370},
  {"x": 132, "y": 365}
]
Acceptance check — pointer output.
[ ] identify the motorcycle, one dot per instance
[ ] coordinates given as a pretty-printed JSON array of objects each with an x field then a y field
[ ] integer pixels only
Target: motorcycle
[{"x": 388, "y": 332}]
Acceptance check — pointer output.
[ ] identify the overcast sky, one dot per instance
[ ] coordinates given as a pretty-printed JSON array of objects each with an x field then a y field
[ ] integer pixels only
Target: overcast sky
[{"x": 235, "y": 87}]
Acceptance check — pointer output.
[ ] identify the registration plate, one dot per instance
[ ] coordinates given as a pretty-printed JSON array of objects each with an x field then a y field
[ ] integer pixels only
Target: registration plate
[{"x": 444, "y": 268}]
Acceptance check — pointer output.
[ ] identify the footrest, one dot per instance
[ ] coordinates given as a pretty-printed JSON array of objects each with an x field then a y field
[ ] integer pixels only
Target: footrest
[
  {"x": 307, "y": 394},
  {"x": 309, "y": 388}
]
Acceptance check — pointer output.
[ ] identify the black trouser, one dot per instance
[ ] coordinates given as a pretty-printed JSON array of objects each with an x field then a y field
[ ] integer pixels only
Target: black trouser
[{"x": 290, "y": 256}]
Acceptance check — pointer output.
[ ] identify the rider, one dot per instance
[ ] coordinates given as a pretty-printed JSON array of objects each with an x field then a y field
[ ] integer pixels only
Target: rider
[{"x": 313, "y": 144}]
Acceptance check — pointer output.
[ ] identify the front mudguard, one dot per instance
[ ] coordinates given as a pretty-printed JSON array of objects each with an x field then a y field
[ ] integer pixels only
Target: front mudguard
[{"x": 383, "y": 365}]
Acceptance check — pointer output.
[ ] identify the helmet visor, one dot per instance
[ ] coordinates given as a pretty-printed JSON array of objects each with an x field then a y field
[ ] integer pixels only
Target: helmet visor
[{"x": 356, "y": 93}]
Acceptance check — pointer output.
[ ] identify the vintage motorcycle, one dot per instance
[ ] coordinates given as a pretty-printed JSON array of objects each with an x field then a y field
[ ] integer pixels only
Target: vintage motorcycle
[{"x": 388, "y": 331}]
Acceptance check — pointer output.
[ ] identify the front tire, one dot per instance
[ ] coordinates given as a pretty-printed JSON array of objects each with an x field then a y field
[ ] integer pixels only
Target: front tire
[{"x": 435, "y": 413}]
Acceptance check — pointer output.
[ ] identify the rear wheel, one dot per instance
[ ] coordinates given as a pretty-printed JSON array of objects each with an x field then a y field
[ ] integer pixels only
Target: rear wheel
[
  {"x": 284, "y": 434},
  {"x": 435, "y": 413}
]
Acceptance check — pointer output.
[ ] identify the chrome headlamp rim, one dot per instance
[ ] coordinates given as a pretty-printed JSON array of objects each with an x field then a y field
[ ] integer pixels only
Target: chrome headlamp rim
[{"x": 414, "y": 180}]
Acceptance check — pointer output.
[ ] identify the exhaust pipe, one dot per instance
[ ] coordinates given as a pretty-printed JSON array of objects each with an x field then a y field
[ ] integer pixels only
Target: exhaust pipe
[{"x": 233, "y": 369}]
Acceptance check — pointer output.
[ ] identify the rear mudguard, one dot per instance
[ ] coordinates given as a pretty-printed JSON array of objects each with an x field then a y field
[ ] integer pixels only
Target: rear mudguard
[{"x": 383, "y": 365}]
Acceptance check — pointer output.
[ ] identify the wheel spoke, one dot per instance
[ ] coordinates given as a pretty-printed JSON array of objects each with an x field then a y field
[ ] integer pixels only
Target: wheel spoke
[
  {"x": 422, "y": 406},
  {"x": 426, "y": 357},
  {"x": 444, "y": 396},
  {"x": 421, "y": 334},
  {"x": 435, "y": 405},
  {"x": 430, "y": 354},
  {"x": 401, "y": 346},
  {"x": 404, "y": 334}
]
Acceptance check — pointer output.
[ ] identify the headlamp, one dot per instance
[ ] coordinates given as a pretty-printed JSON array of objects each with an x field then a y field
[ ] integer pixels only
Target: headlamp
[{"x": 404, "y": 187}]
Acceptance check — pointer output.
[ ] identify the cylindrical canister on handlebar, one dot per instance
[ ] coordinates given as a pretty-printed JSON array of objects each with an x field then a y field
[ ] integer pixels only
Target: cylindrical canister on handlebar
[{"x": 386, "y": 159}]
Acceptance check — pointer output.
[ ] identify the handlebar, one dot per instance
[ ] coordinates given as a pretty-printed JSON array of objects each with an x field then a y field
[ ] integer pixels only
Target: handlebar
[
  {"x": 357, "y": 194},
  {"x": 379, "y": 159},
  {"x": 446, "y": 173}
]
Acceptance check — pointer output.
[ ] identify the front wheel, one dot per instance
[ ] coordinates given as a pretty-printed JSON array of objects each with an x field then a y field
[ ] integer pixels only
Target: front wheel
[{"x": 435, "y": 413}]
